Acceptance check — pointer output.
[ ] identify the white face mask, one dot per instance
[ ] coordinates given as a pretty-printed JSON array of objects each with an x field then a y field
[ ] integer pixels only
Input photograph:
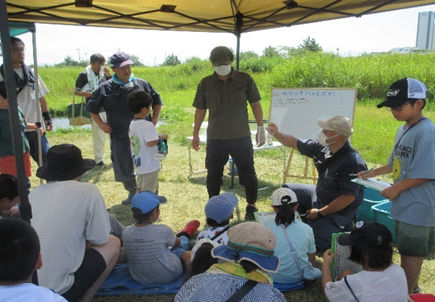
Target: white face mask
[
  {"x": 222, "y": 70},
  {"x": 322, "y": 139}
]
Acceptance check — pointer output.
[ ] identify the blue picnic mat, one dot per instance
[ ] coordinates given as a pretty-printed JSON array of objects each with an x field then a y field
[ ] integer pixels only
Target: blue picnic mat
[
  {"x": 288, "y": 287},
  {"x": 120, "y": 283}
]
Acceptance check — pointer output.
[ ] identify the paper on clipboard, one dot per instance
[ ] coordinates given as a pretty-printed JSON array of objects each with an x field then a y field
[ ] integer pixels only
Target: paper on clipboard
[
  {"x": 341, "y": 261},
  {"x": 372, "y": 183}
]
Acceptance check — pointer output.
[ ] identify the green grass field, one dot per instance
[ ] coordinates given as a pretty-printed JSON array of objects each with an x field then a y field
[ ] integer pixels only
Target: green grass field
[
  {"x": 374, "y": 131},
  {"x": 373, "y": 137}
]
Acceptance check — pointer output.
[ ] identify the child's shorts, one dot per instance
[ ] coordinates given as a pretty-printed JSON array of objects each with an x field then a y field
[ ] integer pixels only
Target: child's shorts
[
  {"x": 415, "y": 240},
  {"x": 7, "y": 165},
  {"x": 148, "y": 182}
]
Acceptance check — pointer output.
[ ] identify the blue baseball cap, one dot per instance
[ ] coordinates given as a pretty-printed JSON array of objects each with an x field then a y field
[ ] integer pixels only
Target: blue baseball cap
[
  {"x": 221, "y": 207},
  {"x": 146, "y": 201}
]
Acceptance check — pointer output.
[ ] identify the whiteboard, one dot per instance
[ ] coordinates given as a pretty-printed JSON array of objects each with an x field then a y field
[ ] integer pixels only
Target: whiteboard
[{"x": 296, "y": 110}]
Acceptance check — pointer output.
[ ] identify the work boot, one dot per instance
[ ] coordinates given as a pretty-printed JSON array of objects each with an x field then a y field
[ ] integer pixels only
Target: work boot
[
  {"x": 250, "y": 210},
  {"x": 189, "y": 229}
]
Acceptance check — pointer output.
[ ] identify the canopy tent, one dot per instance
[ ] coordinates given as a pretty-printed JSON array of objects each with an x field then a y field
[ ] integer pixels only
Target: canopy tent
[
  {"x": 19, "y": 28},
  {"x": 233, "y": 16}
]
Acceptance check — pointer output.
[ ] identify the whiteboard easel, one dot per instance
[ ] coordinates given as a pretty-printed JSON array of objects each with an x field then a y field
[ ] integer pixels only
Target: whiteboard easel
[{"x": 296, "y": 110}]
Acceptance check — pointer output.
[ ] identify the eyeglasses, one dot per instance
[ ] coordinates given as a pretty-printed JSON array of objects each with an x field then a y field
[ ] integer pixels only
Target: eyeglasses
[{"x": 399, "y": 108}]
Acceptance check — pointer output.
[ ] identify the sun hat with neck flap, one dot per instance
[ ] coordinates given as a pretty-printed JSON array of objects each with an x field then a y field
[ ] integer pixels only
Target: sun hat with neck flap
[{"x": 249, "y": 241}]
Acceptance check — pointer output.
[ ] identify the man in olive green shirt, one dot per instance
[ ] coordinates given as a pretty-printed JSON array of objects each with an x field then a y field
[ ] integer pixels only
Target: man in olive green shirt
[{"x": 225, "y": 94}]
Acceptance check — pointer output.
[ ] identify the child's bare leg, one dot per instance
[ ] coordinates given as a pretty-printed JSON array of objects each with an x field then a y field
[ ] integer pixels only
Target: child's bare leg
[{"x": 412, "y": 267}]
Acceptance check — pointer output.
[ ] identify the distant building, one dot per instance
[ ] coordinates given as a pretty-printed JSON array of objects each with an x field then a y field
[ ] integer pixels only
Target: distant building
[{"x": 426, "y": 30}]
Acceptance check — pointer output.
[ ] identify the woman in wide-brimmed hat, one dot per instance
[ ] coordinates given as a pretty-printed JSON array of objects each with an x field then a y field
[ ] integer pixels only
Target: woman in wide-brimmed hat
[{"x": 242, "y": 272}]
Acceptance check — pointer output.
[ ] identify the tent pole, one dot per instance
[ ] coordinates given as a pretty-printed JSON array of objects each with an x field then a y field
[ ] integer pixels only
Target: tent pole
[
  {"x": 25, "y": 209},
  {"x": 37, "y": 97},
  {"x": 238, "y": 32},
  {"x": 238, "y": 51}
]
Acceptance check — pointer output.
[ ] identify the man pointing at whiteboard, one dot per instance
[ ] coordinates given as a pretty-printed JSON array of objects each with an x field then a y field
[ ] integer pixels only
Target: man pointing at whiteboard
[
  {"x": 225, "y": 94},
  {"x": 332, "y": 204}
]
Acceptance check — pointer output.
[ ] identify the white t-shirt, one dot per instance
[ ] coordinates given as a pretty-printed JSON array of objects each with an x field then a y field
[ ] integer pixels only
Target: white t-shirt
[
  {"x": 211, "y": 232},
  {"x": 388, "y": 285},
  {"x": 141, "y": 132},
  {"x": 28, "y": 292},
  {"x": 26, "y": 98},
  {"x": 67, "y": 214}
]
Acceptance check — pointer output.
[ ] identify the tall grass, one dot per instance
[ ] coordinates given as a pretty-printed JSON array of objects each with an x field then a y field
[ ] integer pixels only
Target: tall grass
[{"x": 370, "y": 74}]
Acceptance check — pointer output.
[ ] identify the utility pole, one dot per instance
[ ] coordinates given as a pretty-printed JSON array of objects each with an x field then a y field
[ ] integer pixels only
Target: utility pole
[{"x": 78, "y": 51}]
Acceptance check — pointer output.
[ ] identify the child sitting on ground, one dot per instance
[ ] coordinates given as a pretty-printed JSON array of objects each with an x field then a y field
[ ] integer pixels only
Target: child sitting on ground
[
  {"x": 19, "y": 258},
  {"x": 155, "y": 254},
  {"x": 380, "y": 280},
  {"x": 144, "y": 140},
  {"x": 218, "y": 211},
  {"x": 8, "y": 196}
]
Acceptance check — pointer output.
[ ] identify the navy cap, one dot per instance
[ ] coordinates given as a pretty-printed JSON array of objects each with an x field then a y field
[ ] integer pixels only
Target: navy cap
[
  {"x": 146, "y": 201},
  {"x": 221, "y": 207},
  {"x": 120, "y": 59},
  {"x": 402, "y": 91},
  {"x": 369, "y": 234}
]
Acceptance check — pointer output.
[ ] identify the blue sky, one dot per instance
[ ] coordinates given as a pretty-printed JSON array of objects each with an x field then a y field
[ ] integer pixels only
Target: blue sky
[{"x": 350, "y": 36}]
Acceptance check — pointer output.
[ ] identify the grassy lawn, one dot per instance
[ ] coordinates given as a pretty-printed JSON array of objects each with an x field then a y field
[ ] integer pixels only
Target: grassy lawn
[{"x": 187, "y": 196}]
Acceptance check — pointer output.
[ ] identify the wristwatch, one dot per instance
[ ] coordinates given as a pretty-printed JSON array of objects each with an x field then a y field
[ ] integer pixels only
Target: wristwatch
[{"x": 319, "y": 214}]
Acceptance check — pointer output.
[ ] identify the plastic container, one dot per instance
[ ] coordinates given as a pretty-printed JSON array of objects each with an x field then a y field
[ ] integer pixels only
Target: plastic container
[
  {"x": 382, "y": 213},
  {"x": 372, "y": 197}
]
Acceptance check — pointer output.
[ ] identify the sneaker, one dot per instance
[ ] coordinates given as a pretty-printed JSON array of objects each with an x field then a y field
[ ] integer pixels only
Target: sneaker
[
  {"x": 100, "y": 164},
  {"x": 249, "y": 215},
  {"x": 189, "y": 229},
  {"x": 417, "y": 290}
]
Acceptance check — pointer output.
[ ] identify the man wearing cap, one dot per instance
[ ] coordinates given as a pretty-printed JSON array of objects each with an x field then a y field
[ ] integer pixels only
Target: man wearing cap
[
  {"x": 26, "y": 98},
  {"x": 87, "y": 82},
  {"x": 72, "y": 222},
  {"x": 332, "y": 204},
  {"x": 225, "y": 94},
  {"x": 112, "y": 97}
]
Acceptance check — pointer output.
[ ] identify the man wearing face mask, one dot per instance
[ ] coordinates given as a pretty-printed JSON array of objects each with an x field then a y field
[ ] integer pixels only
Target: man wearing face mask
[
  {"x": 112, "y": 97},
  {"x": 332, "y": 204},
  {"x": 225, "y": 94}
]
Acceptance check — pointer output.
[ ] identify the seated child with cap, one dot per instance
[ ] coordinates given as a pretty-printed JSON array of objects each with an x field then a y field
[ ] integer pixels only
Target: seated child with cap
[
  {"x": 294, "y": 240},
  {"x": 244, "y": 262},
  {"x": 155, "y": 254},
  {"x": 380, "y": 280},
  {"x": 19, "y": 258},
  {"x": 218, "y": 211}
]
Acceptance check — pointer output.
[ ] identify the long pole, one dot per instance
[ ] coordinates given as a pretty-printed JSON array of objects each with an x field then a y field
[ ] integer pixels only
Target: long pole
[{"x": 11, "y": 90}]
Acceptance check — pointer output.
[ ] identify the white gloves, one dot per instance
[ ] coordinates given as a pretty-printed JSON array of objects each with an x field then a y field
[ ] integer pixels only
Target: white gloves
[{"x": 260, "y": 136}]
